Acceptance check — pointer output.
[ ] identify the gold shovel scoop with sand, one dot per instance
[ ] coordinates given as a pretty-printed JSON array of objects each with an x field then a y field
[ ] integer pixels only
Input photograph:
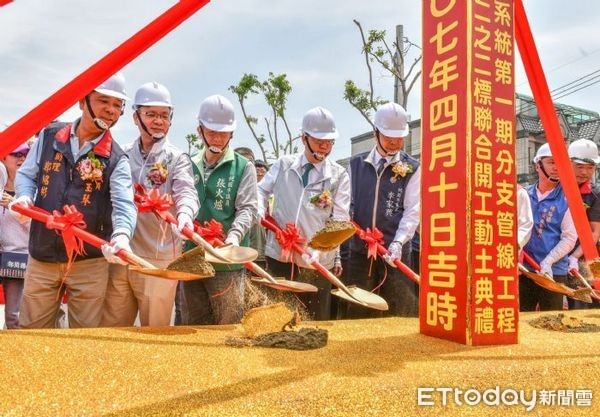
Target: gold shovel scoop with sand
[{"x": 332, "y": 235}]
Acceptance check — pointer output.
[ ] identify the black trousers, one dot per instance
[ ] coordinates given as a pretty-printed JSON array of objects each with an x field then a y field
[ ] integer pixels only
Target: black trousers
[
  {"x": 317, "y": 304},
  {"x": 531, "y": 295}
]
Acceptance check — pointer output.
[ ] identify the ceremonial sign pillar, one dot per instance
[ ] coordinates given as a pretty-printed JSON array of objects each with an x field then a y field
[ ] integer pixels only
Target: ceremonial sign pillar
[{"x": 469, "y": 286}]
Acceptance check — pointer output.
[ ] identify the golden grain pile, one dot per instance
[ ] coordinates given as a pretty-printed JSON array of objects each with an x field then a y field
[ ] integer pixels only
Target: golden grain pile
[{"x": 368, "y": 368}]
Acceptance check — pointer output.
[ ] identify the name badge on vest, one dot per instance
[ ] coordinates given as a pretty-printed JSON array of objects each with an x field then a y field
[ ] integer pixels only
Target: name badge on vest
[{"x": 13, "y": 264}]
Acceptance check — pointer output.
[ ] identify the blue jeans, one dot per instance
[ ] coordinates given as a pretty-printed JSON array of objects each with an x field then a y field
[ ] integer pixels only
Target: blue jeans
[{"x": 13, "y": 293}]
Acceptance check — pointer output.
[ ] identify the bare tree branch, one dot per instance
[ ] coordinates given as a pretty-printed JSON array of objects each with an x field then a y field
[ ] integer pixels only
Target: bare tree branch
[{"x": 365, "y": 51}]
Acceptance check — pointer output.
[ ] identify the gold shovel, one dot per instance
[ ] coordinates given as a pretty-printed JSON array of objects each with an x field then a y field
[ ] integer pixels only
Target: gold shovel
[
  {"x": 353, "y": 294},
  {"x": 594, "y": 294},
  {"x": 137, "y": 263},
  {"x": 544, "y": 281}
]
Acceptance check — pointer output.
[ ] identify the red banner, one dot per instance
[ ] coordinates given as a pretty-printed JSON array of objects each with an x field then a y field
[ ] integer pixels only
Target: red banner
[{"x": 468, "y": 254}]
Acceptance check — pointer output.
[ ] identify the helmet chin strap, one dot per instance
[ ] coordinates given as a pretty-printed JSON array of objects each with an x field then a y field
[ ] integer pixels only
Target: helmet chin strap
[
  {"x": 546, "y": 174},
  {"x": 388, "y": 153},
  {"x": 155, "y": 136},
  {"x": 100, "y": 124},
  {"x": 215, "y": 149},
  {"x": 317, "y": 155}
]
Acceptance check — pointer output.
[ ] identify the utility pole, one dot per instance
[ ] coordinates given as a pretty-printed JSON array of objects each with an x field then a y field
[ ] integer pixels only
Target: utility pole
[{"x": 399, "y": 63}]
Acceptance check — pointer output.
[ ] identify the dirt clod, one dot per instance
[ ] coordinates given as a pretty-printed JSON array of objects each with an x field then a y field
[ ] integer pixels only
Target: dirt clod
[{"x": 561, "y": 323}]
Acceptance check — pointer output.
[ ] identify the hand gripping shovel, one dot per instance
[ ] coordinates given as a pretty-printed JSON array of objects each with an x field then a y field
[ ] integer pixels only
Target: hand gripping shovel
[
  {"x": 152, "y": 200},
  {"x": 264, "y": 278},
  {"x": 140, "y": 264},
  {"x": 353, "y": 294},
  {"x": 544, "y": 281},
  {"x": 382, "y": 251}
]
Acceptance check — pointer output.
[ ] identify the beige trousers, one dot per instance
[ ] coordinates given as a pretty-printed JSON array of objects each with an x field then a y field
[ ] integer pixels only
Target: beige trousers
[
  {"x": 86, "y": 284},
  {"x": 130, "y": 293}
]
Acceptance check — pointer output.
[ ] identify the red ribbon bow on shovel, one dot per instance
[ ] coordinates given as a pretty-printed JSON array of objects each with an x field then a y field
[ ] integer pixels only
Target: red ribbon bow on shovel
[
  {"x": 372, "y": 238},
  {"x": 153, "y": 201},
  {"x": 61, "y": 224},
  {"x": 287, "y": 238},
  {"x": 211, "y": 231}
]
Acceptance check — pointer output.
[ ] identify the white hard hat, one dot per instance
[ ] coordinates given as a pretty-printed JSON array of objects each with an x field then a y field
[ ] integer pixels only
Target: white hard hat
[
  {"x": 319, "y": 124},
  {"x": 584, "y": 151},
  {"x": 392, "y": 120},
  {"x": 114, "y": 87},
  {"x": 152, "y": 94},
  {"x": 216, "y": 113},
  {"x": 542, "y": 152}
]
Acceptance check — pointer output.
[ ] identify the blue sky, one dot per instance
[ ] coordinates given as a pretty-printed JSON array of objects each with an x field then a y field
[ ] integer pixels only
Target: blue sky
[{"x": 45, "y": 43}]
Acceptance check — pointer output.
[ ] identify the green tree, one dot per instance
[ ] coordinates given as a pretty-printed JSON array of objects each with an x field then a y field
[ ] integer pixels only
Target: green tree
[
  {"x": 275, "y": 90},
  {"x": 376, "y": 50},
  {"x": 194, "y": 142}
]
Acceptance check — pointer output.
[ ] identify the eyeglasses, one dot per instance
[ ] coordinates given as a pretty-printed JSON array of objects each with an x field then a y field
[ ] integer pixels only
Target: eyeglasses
[
  {"x": 19, "y": 154},
  {"x": 161, "y": 116}
]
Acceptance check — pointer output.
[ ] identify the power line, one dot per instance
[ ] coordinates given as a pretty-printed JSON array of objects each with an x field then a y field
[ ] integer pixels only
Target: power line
[{"x": 569, "y": 88}]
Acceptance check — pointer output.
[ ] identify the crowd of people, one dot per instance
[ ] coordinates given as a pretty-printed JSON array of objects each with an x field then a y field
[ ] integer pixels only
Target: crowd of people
[{"x": 80, "y": 164}]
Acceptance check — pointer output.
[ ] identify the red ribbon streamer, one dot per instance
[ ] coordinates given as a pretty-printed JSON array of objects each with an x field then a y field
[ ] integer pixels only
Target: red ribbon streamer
[
  {"x": 543, "y": 99},
  {"x": 211, "y": 231},
  {"x": 153, "y": 201},
  {"x": 75, "y": 90},
  {"x": 61, "y": 224},
  {"x": 287, "y": 238},
  {"x": 372, "y": 238}
]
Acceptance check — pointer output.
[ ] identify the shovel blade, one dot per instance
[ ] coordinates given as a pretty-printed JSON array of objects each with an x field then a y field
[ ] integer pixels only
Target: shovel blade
[
  {"x": 233, "y": 255},
  {"x": 285, "y": 285},
  {"x": 582, "y": 294},
  {"x": 362, "y": 297}
]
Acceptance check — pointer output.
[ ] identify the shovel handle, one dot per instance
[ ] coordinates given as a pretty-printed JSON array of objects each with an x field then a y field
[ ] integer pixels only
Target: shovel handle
[
  {"x": 42, "y": 216},
  {"x": 382, "y": 250},
  {"x": 195, "y": 237},
  {"x": 274, "y": 227},
  {"x": 529, "y": 259}
]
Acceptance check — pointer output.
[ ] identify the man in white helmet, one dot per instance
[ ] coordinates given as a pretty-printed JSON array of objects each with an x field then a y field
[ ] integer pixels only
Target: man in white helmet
[
  {"x": 553, "y": 235},
  {"x": 584, "y": 158},
  {"x": 385, "y": 194},
  {"x": 77, "y": 164},
  {"x": 155, "y": 164},
  {"x": 226, "y": 184},
  {"x": 308, "y": 189}
]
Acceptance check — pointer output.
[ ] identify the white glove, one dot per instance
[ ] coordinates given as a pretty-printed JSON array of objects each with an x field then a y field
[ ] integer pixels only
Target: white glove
[
  {"x": 24, "y": 201},
  {"x": 232, "y": 239},
  {"x": 110, "y": 250},
  {"x": 546, "y": 269},
  {"x": 311, "y": 255},
  {"x": 573, "y": 263},
  {"x": 183, "y": 220},
  {"x": 395, "y": 250}
]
